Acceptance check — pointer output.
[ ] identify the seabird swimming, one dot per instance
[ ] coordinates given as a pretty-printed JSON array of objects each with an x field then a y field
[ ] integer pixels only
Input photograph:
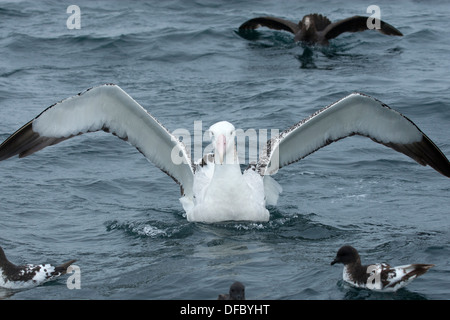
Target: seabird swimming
[
  {"x": 377, "y": 277},
  {"x": 316, "y": 28},
  {"x": 28, "y": 276},
  {"x": 215, "y": 189},
  {"x": 237, "y": 292}
]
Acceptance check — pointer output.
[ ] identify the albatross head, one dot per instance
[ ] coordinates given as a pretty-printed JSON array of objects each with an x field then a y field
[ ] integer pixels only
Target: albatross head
[
  {"x": 307, "y": 22},
  {"x": 222, "y": 136}
]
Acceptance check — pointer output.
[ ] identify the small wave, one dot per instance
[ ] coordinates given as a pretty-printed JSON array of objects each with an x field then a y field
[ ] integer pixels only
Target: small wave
[
  {"x": 267, "y": 39},
  {"x": 138, "y": 229},
  {"x": 283, "y": 226},
  {"x": 423, "y": 35},
  {"x": 72, "y": 43},
  {"x": 352, "y": 293},
  {"x": 10, "y": 73},
  {"x": 13, "y": 13},
  {"x": 152, "y": 229}
]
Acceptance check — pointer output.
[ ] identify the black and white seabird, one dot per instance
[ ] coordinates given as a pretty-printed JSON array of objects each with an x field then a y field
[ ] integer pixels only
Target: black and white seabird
[
  {"x": 377, "y": 277},
  {"x": 316, "y": 28},
  {"x": 216, "y": 189},
  {"x": 237, "y": 292},
  {"x": 29, "y": 275}
]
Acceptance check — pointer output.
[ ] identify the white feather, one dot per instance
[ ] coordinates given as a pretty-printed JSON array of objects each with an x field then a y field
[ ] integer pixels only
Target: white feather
[
  {"x": 354, "y": 114},
  {"x": 108, "y": 106}
]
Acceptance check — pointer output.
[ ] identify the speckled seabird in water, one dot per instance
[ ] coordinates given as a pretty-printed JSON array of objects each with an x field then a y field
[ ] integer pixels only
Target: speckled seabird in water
[
  {"x": 316, "y": 28},
  {"x": 216, "y": 189},
  {"x": 29, "y": 275},
  {"x": 237, "y": 292},
  {"x": 378, "y": 277}
]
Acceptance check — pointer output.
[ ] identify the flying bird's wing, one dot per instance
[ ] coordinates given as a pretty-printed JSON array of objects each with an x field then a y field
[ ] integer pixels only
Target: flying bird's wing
[
  {"x": 356, "y": 24},
  {"x": 272, "y": 23},
  {"x": 110, "y": 109},
  {"x": 356, "y": 114}
]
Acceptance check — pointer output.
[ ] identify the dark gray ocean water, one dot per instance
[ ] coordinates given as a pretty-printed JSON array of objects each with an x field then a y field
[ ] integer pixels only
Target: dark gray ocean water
[{"x": 96, "y": 199}]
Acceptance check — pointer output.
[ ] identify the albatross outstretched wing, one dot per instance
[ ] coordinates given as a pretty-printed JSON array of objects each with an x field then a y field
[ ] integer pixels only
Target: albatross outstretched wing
[
  {"x": 110, "y": 109},
  {"x": 356, "y": 114},
  {"x": 356, "y": 24},
  {"x": 272, "y": 23}
]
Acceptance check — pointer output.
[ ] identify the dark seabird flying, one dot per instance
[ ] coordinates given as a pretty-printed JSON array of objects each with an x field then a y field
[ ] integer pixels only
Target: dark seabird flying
[
  {"x": 28, "y": 276},
  {"x": 237, "y": 292},
  {"x": 316, "y": 28},
  {"x": 217, "y": 190},
  {"x": 377, "y": 277}
]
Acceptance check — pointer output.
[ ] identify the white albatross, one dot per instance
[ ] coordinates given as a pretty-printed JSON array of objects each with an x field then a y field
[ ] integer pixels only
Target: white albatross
[{"x": 215, "y": 189}]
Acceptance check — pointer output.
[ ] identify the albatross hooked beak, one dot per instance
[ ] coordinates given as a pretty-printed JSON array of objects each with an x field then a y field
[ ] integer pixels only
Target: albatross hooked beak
[{"x": 221, "y": 146}]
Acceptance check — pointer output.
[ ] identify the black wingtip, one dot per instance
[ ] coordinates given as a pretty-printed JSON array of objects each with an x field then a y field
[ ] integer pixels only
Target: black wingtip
[
  {"x": 425, "y": 152},
  {"x": 390, "y": 30},
  {"x": 13, "y": 144},
  {"x": 63, "y": 267},
  {"x": 434, "y": 157}
]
